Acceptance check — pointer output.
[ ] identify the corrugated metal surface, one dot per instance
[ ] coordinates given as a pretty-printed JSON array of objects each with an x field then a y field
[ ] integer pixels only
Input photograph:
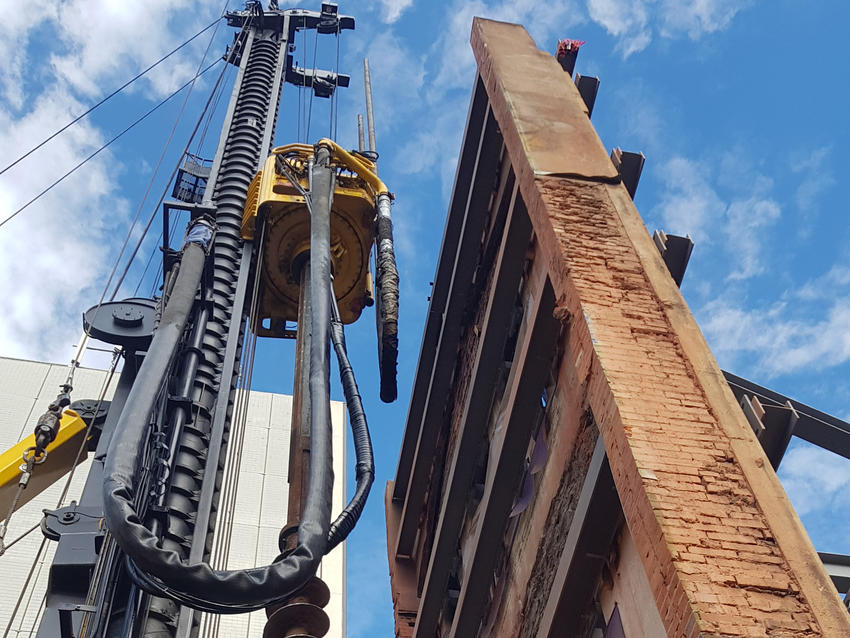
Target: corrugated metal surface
[{"x": 27, "y": 387}]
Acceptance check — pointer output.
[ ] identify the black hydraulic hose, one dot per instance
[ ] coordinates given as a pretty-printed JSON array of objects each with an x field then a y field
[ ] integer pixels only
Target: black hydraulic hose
[
  {"x": 316, "y": 517},
  {"x": 386, "y": 279},
  {"x": 365, "y": 468},
  {"x": 162, "y": 570}
]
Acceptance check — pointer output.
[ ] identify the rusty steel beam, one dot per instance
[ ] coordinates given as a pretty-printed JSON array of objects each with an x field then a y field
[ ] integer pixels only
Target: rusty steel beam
[
  {"x": 529, "y": 372},
  {"x": 475, "y": 411},
  {"x": 437, "y": 310},
  {"x": 299, "y": 436},
  {"x": 476, "y": 209}
]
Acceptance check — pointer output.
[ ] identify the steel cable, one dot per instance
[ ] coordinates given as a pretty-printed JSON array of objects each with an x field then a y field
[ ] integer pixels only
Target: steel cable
[
  {"x": 171, "y": 177},
  {"x": 165, "y": 148},
  {"x": 111, "y": 95},
  {"x": 103, "y": 147},
  {"x": 62, "y": 496},
  {"x": 168, "y": 142}
]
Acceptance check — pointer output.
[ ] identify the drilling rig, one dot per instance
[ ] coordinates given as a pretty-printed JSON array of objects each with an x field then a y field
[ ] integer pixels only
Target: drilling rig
[{"x": 279, "y": 244}]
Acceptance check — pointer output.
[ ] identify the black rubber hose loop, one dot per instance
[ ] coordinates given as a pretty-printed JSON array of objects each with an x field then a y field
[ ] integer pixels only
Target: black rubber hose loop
[{"x": 162, "y": 570}]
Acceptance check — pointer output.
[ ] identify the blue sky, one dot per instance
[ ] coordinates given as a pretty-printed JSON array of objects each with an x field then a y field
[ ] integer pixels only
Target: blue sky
[{"x": 739, "y": 107}]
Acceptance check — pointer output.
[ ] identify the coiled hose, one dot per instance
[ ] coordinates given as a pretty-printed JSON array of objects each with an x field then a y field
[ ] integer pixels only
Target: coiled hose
[{"x": 365, "y": 461}]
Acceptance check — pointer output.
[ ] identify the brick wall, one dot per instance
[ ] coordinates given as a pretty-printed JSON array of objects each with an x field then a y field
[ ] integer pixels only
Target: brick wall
[
  {"x": 724, "y": 551},
  {"x": 689, "y": 531},
  {"x": 714, "y": 562}
]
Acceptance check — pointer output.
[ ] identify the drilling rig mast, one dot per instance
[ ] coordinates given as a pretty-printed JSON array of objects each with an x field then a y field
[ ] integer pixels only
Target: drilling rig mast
[{"x": 276, "y": 247}]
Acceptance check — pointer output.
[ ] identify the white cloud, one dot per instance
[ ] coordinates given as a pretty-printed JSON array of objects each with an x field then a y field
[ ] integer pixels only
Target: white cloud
[
  {"x": 697, "y": 17},
  {"x": 692, "y": 205},
  {"x": 392, "y": 9},
  {"x": 105, "y": 40},
  {"x": 16, "y": 25},
  {"x": 645, "y": 120},
  {"x": 625, "y": 20},
  {"x": 456, "y": 64},
  {"x": 745, "y": 220},
  {"x": 54, "y": 256},
  {"x": 817, "y": 178},
  {"x": 815, "y": 478},
  {"x": 689, "y": 205},
  {"x": 826, "y": 286},
  {"x": 634, "y": 22},
  {"x": 780, "y": 338}
]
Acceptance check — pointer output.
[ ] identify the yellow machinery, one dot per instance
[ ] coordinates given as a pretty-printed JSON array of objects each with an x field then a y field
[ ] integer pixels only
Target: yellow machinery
[
  {"x": 277, "y": 196},
  {"x": 57, "y": 461}
]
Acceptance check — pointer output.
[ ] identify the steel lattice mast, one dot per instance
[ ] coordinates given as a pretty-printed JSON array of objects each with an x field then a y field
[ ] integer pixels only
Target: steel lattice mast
[{"x": 89, "y": 584}]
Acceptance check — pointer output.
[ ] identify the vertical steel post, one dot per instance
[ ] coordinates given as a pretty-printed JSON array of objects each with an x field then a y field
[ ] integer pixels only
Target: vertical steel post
[
  {"x": 299, "y": 442},
  {"x": 370, "y": 117}
]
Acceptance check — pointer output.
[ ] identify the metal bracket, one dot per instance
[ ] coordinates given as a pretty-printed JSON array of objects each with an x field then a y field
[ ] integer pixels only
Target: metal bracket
[
  {"x": 629, "y": 165},
  {"x": 195, "y": 210},
  {"x": 72, "y": 519},
  {"x": 73, "y": 561},
  {"x": 322, "y": 82},
  {"x": 170, "y": 256},
  {"x": 93, "y": 412},
  {"x": 66, "y": 618},
  {"x": 326, "y": 21},
  {"x": 773, "y": 425},
  {"x": 676, "y": 252},
  {"x": 587, "y": 87}
]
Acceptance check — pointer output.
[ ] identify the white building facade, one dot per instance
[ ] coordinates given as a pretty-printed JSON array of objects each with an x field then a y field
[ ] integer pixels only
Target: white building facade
[{"x": 260, "y": 509}]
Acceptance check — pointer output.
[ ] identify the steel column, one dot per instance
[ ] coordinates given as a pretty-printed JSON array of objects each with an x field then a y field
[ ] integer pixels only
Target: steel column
[
  {"x": 477, "y": 202},
  {"x": 529, "y": 371},
  {"x": 437, "y": 311}
]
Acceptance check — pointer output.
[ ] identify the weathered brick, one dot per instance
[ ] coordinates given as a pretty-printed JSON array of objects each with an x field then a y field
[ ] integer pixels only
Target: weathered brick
[{"x": 722, "y": 549}]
